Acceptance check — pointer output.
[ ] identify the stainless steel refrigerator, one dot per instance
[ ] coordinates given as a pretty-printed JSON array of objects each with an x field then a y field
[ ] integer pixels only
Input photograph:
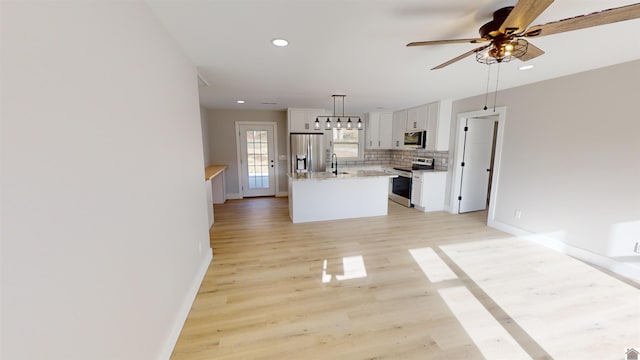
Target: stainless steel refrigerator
[{"x": 307, "y": 153}]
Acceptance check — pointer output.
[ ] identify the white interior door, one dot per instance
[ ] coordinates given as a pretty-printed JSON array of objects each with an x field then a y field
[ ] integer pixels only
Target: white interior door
[
  {"x": 257, "y": 151},
  {"x": 477, "y": 165}
]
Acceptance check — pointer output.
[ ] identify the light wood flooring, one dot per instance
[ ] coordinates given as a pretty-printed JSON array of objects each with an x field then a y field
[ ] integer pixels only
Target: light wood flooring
[{"x": 409, "y": 285}]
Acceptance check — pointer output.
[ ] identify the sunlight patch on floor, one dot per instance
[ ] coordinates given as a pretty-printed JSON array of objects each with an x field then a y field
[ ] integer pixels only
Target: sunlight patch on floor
[
  {"x": 352, "y": 268},
  {"x": 432, "y": 265},
  {"x": 566, "y": 306},
  {"x": 493, "y": 341}
]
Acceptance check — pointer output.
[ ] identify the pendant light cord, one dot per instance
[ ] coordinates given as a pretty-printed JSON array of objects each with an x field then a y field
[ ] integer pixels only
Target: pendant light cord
[
  {"x": 495, "y": 95},
  {"x": 334, "y": 106},
  {"x": 486, "y": 92}
]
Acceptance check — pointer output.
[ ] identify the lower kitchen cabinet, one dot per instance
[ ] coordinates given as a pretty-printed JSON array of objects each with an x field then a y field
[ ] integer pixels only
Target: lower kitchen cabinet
[
  {"x": 427, "y": 190},
  {"x": 208, "y": 188}
]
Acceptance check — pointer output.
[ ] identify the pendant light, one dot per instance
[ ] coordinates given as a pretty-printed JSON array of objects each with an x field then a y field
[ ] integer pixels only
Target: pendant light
[{"x": 339, "y": 118}]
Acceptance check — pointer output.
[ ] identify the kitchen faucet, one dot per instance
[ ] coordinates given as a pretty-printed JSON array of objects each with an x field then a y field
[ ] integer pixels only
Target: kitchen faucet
[{"x": 335, "y": 172}]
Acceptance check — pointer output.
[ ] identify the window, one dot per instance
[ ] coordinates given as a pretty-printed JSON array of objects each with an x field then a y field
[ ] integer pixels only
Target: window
[{"x": 347, "y": 143}]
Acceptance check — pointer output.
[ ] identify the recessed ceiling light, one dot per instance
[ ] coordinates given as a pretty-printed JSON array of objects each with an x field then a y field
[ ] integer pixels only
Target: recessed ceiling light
[
  {"x": 240, "y": 101},
  {"x": 280, "y": 42},
  {"x": 526, "y": 67}
]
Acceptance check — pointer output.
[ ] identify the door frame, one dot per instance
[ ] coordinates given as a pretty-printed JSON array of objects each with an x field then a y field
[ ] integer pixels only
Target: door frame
[
  {"x": 239, "y": 152},
  {"x": 501, "y": 112}
]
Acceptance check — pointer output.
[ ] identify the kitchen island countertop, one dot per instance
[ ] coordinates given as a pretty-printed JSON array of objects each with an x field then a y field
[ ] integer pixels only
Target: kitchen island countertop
[
  {"x": 324, "y": 196},
  {"x": 341, "y": 175}
]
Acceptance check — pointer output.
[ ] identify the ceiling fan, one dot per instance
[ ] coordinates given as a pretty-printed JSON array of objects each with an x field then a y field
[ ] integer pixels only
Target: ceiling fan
[{"x": 510, "y": 25}]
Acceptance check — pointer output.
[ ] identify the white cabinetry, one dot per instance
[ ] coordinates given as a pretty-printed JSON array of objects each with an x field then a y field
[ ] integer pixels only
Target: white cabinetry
[
  {"x": 435, "y": 118},
  {"x": 399, "y": 127},
  {"x": 427, "y": 190},
  {"x": 303, "y": 120},
  {"x": 417, "y": 118},
  {"x": 378, "y": 130},
  {"x": 208, "y": 188},
  {"x": 416, "y": 189},
  {"x": 438, "y": 125}
]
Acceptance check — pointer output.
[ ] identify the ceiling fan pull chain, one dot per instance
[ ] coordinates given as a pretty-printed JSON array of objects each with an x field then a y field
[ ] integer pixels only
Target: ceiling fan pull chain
[
  {"x": 495, "y": 95},
  {"x": 486, "y": 92}
]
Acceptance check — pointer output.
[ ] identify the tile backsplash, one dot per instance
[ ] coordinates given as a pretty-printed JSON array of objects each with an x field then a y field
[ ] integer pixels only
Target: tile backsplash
[{"x": 401, "y": 158}]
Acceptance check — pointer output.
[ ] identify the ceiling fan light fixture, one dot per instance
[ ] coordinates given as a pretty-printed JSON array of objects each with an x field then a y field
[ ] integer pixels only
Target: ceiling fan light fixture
[{"x": 503, "y": 51}]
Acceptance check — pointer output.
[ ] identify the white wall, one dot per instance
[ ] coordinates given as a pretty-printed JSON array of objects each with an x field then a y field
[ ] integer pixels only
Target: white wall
[
  {"x": 222, "y": 134},
  {"x": 104, "y": 227},
  {"x": 206, "y": 142},
  {"x": 571, "y": 160}
]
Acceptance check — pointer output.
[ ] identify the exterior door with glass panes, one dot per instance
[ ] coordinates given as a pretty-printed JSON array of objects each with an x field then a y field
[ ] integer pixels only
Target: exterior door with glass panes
[{"x": 257, "y": 153}]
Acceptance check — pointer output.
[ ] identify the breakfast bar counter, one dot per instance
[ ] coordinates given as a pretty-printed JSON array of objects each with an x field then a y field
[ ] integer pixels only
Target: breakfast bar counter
[{"x": 324, "y": 196}]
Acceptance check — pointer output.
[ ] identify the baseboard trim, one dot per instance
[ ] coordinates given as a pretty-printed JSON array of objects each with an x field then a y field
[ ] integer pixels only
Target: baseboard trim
[
  {"x": 183, "y": 312},
  {"x": 625, "y": 270},
  {"x": 239, "y": 196}
]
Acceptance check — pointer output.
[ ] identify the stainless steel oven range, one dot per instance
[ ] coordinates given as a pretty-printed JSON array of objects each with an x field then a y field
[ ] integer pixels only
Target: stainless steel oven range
[{"x": 400, "y": 187}]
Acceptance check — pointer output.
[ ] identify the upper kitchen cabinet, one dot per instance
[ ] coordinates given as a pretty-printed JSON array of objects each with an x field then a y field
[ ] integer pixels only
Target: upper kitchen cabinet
[
  {"x": 378, "y": 130},
  {"x": 303, "y": 120},
  {"x": 438, "y": 125},
  {"x": 399, "y": 127},
  {"x": 417, "y": 118},
  {"x": 435, "y": 118}
]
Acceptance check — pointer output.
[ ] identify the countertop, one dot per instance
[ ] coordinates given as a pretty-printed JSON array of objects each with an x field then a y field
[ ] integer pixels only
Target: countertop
[
  {"x": 429, "y": 171},
  {"x": 213, "y": 170},
  {"x": 341, "y": 175}
]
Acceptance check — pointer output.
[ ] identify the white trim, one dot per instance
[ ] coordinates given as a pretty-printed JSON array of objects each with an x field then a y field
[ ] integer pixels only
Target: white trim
[
  {"x": 495, "y": 177},
  {"x": 236, "y": 196},
  {"x": 238, "y": 153},
  {"x": 183, "y": 312},
  {"x": 282, "y": 194},
  {"x": 625, "y": 270}
]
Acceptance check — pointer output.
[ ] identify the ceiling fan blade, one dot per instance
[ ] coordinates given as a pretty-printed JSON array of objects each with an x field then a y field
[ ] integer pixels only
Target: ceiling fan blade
[
  {"x": 455, "y": 59},
  {"x": 523, "y": 15},
  {"x": 532, "y": 52},
  {"x": 453, "y": 41},
  {"x": 584, "y": 21}
]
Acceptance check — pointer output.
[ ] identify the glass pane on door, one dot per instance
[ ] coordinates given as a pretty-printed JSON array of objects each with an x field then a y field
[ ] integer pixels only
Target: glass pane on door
[{"x": 258, "y": 159}]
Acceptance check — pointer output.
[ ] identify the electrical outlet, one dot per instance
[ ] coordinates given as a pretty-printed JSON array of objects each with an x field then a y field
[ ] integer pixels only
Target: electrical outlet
[
  {"x": 636, "y": 249},
  {"x": 517, "y": 213}
]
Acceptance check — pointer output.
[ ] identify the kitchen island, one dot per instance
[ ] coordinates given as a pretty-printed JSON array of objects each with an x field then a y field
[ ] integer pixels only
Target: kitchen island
[{"x": 323, "y": 196}]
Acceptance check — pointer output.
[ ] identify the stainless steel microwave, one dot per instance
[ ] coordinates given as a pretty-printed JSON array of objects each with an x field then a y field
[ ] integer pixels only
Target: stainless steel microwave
[{"x": 415, "y": 139}]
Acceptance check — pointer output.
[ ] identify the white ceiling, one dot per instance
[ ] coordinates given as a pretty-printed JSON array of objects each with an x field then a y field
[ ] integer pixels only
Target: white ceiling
[{"x": 357, "y": 47}]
